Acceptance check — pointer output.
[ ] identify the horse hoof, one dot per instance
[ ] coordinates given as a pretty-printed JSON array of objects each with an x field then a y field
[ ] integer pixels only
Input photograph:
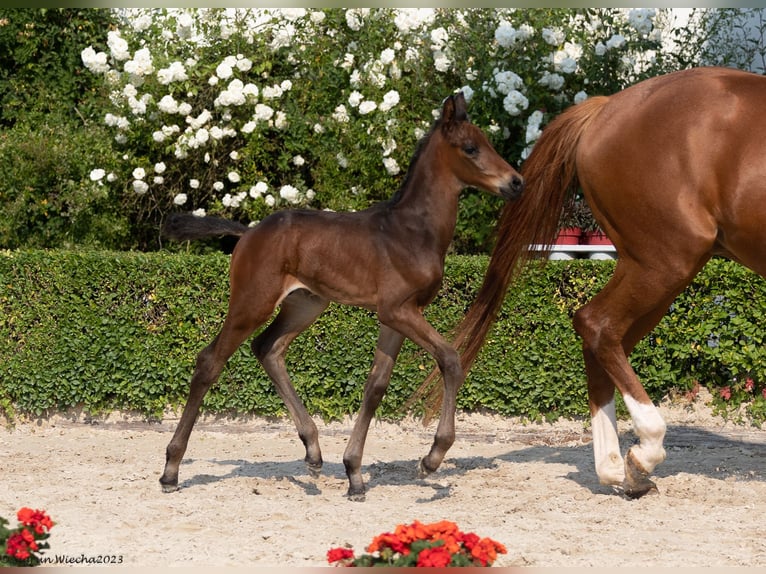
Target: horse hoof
[
  {"x": 356, "y": 496},
  {"x": 314, "y": 469},
  {"x": 636, "y": 483},
  {"x": 423, "y": 470},
  {"x": 167, "y": 488}
]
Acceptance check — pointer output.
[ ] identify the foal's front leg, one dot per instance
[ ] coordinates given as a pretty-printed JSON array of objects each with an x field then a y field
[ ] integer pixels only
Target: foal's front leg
[
  {"x": 413, "y": 325},
  {"x": 389, "y": 345}
]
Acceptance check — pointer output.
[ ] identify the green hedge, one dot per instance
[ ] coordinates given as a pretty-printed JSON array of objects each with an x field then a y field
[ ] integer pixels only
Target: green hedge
[{"x": 103, "y": 330}]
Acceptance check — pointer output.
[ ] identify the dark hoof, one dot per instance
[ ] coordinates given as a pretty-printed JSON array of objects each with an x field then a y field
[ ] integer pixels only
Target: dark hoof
[
  {"x": 169, "y": 487},
  {"x": 423, "y": 470},
  {"x": 314, "y": 469},
  {"x": 637, "y": 483},
  {"x": 356, "y": 496}
]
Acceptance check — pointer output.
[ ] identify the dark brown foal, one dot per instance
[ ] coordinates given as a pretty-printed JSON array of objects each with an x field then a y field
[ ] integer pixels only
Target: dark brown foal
[{"x": 388, "y": 259}]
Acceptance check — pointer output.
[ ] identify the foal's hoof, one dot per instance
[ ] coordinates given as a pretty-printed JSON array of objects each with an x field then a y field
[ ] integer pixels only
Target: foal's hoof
[
  {"x": 314, "y": 469},
  {"x": 169, "y": 487},
  {"x": 356, "y": 496},
  {"x": 423, "y": 470},
  {"x": 637, "y": 483}
]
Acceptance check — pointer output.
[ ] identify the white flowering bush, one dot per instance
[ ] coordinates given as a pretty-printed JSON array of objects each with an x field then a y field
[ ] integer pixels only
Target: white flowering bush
[{"x": 240, "y": 112}]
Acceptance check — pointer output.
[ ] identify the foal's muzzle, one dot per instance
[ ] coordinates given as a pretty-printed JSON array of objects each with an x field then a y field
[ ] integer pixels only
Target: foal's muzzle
[{"x": 512, "y": 190}]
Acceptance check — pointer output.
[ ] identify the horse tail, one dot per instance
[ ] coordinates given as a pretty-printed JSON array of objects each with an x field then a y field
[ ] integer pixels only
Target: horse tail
[
  {"x": 550, "y": 174},
  {"x": 185, "y": 227}
]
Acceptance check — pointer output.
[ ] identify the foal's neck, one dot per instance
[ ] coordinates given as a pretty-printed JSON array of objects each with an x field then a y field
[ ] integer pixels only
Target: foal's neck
[{"x": 428, "y": 199}]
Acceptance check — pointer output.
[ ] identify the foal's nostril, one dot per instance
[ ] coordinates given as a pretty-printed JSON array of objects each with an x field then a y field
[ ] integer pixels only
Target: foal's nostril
[{"x": 517, "y": 184}]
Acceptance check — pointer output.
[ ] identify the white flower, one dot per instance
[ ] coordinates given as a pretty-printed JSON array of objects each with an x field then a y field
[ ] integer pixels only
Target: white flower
[
  {"x": 271, "y": 92},
  {"x": 174, "y": 73},
  {"x": 439, "y": 38},
  {"x": 141, "y": 64},
  {"x": 616, "y": 41},
  {"x": 194, "y": 183},
  {"x": 355, "y": 98},
  {"x": 140, "y": 187},
  {"x": 441, "y": 62},
  {"x": 158, "y": 180},
  {"x": 507, "y": 82},
  {"x": 387, "y": 56},
  {"x": 342, "y": 160},
  {"x": 168, "y": 105},
  {"x": 233, "y": 177},
  {"x": 97, "y": 174},
  {"x": 289, "y": 193},
  {"x": 286, "y": 86},
  {"x": 367, "y": 107},
  {"x": 580, "y": 97},
  {"x": 139, "y": 173},
  {"x": 199, "y": 212},
  {"x": 515, "y": 102},
  {"x": 298, "y": 160},
  {"x": 224, "y": 70},
  {"x": 280, "y": 121},
  {"x": 391, "y": 166},
  {"x": 269, "y": 200},
  {"x": 159, "y": 167},
  {"x": 554, "y": 36},
  {"x": 505, "y": 35},
  {"x": 218, "y": 186},
  {"x": 390, "y": 99},
  {"x": 340, "y": 114},
  {"x": 554, "y": 81},
  {"x": 258, "y": 189},
  {"x": 248, "y": 128},
  {"x": 263, "y": 112},
  {"x": 467, "y": 93},
  {"x": 117, "y": 46},
  {"x": 95, "y": 62}
]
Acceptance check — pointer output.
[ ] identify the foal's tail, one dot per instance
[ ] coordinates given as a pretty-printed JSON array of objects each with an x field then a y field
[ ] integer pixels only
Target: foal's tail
[
  {"x": 550, "y": 175},
  {"x": 185, "y": 227}
]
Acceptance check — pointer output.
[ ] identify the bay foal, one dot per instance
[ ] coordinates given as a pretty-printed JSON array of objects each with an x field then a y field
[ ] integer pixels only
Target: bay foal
[{"x": 388, "y": 259}]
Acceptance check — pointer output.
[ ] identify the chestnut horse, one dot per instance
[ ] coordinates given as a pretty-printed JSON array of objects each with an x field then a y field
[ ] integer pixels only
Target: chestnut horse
[
  {"x": 388, "y": 259},
  {"x": 674, "y": 170}
]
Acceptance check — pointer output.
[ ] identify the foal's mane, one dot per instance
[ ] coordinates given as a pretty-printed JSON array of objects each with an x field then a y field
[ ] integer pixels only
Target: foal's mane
[{"x": 422, "y": 143}]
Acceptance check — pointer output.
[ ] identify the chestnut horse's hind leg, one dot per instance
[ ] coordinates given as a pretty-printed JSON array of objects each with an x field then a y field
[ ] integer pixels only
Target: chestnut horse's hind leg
[
  {"x": 626, "y": 309},
  {"x": 389, "y": 345},
  {"x": 210, "y": 363},
  {"x": 299, "y": 310}
]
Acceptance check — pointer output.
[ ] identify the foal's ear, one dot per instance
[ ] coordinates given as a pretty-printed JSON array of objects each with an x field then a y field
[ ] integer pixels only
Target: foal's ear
[{"x": 453, "y": 109}]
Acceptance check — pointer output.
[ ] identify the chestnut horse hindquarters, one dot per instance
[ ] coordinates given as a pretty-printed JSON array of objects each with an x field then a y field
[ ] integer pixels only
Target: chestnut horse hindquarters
[{"x": 674, "y": 170}]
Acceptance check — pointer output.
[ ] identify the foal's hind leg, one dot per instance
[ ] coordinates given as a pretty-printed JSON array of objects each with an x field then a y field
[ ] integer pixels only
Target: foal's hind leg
[
  {"x": 626, "y": 309},
  {"x": 210, "y": 363},
  {"x": 389, "y": 345},
  {"x": 299, "y": 310}
]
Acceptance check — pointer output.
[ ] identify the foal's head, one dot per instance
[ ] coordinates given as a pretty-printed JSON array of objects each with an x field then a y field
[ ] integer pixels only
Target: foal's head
[{"x": 470, "y": 156}]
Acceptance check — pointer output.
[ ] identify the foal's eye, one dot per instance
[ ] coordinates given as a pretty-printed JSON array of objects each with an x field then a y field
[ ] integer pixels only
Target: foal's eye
[{"x": 470, "y": 150}]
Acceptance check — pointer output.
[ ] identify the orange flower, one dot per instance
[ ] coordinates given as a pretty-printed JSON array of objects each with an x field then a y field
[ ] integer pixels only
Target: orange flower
[{"x": 486, "y": 549}]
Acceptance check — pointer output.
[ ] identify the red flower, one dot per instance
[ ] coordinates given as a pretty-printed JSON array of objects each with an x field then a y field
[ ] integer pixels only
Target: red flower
[
  {"x": 37, "y": 519},
  {"x": 338, "y": 554},
  {"x": 437, "y": 557},
  {"x": 749, "y": 385},
  {"x": 725, "y": 393},
  {"x": 17, "y": 547}
]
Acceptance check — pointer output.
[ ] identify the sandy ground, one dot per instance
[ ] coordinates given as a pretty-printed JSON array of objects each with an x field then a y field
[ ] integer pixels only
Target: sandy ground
[{"x": 246, "y": 498}]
